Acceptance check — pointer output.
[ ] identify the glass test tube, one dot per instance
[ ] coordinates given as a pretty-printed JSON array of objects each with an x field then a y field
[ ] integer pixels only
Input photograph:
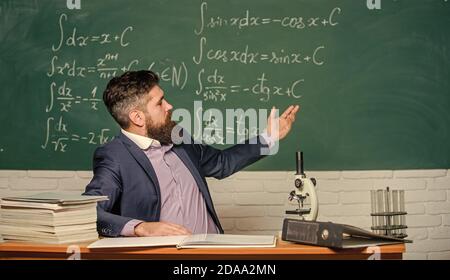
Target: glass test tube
[
  {"x": 387, "y": 203},
  {"x": 373, "y": 201},
  {"x": 402, "y": 209},
  {"x": 380, "y": 209},
  {"x": 395, "y": 208}
]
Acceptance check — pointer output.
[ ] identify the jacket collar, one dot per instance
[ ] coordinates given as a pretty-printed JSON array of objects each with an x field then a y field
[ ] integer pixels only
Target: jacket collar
[{"x": 141, "y": 141}]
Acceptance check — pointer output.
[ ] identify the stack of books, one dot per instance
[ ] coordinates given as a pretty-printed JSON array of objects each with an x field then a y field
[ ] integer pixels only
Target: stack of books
[{"x": 49, "y": 218}]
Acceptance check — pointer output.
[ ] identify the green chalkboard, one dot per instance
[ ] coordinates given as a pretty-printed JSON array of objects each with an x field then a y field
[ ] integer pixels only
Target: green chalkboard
[{"x": 373, "y": 81}]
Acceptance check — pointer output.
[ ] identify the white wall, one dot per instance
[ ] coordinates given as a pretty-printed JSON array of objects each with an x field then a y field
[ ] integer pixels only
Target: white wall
[{"x": 254, "y": 202}]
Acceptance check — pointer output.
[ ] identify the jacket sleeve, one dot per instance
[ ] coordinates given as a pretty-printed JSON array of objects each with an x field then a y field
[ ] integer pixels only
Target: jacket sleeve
[
  {"x": 107, "y": 181},
  {"x": 223, "y": 163}
]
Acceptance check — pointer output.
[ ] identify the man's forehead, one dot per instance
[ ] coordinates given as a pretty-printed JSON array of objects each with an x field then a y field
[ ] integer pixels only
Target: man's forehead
[{"x": 156, "y": 92}]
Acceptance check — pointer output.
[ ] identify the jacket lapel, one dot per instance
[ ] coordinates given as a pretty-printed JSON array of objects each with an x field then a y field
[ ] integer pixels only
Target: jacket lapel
[{"x": 142, "y": 159}]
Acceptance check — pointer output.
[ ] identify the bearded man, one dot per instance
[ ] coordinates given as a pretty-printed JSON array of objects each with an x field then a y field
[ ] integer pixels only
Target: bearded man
[{"x": 155, "y": 187}]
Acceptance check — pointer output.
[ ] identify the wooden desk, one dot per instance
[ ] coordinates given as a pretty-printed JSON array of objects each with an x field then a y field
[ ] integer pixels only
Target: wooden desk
[{"x": 283, "y": 251}]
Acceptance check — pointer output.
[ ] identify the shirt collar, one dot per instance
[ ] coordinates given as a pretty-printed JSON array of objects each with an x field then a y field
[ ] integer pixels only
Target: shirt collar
[{"x": 142, "y": 142}]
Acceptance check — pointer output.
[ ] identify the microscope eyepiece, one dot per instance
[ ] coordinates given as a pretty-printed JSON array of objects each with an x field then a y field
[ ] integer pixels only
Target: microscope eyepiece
[{"x": 299, "y": 163}]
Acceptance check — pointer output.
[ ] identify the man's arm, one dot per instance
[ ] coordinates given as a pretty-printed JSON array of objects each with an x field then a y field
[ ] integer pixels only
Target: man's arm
[
  {"x": 223, "y": 163},
  {"x": 106, "y": 181}
]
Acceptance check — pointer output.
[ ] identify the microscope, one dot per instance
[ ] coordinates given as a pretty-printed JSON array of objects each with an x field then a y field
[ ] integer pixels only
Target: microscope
[
  {"x": 304, "y": 193},
  {"x": 306, "y": 230}
]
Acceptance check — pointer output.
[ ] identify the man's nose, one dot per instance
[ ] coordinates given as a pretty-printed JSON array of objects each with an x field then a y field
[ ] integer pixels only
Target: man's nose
[{"x": 168, "y": 106}]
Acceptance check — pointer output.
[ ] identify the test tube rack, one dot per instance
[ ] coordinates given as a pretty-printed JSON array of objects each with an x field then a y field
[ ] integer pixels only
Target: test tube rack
[{"x": 388, "y": 212}]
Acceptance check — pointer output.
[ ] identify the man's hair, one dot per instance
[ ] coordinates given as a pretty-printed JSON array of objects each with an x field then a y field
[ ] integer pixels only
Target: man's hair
[{"x": 129, "y": 91}]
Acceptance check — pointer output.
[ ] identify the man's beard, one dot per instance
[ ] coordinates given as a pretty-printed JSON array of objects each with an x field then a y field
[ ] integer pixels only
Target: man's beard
[{"x": 163, "y": 132}]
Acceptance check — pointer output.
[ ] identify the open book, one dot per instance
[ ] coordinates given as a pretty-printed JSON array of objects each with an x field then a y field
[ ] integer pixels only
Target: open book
[{"x": 189, "y": 241}]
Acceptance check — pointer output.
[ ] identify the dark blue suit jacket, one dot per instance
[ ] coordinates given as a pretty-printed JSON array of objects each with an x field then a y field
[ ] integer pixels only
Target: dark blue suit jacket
[{"x": 123, "y": 173}]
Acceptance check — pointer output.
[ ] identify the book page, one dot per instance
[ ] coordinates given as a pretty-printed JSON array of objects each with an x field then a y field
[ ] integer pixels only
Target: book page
[
  {"x": 128, "y": 242},
  {"x": 51, "y": 197},
  {"x": 227, "y": 240}
]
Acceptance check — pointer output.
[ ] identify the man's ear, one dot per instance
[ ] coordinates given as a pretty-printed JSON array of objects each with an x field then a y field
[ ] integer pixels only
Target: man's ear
[{"x": 137, "y": 117}]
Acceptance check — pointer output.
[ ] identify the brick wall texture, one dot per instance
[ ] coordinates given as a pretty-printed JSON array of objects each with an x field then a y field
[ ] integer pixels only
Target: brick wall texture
[{"x": 255, "y": 202}]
